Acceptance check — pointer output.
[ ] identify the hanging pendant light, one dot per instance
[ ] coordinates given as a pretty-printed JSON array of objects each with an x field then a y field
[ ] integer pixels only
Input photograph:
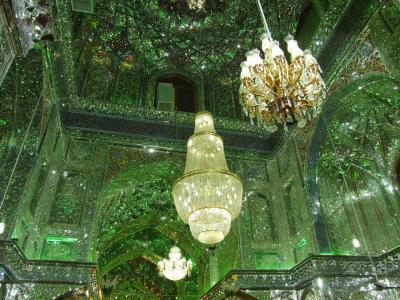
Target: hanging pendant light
[
  {"x": 176, "y": 267},
  {"x": 208, "y": 197},
  {"x": 275, "y": 92}
]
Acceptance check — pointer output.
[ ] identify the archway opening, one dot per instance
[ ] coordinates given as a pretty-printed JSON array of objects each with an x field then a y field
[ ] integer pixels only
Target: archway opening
[
  {"x": 137, "y": 226},
  {"x": 174, "y": 93},
  {"x": 350, "y": 162}
]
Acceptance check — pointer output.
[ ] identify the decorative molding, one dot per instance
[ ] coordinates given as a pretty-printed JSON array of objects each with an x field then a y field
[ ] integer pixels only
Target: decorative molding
[
  {"x": 339, "y": 48},
  {"x": 20, "y": 269},
  {"x": 84, "y": 105},
  {"x": 178, "y": 129},
  {"x": 6, "y": 46},
  {"x": 302, "y": 275}
]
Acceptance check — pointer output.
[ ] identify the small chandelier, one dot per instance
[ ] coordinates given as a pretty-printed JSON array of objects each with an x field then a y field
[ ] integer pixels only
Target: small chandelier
[
  {"x": 208, "y": 197},
  {"x": 274, "y": 92},
  {"x": 176, "y": 267},
  {"x": 196, "y": 4}
]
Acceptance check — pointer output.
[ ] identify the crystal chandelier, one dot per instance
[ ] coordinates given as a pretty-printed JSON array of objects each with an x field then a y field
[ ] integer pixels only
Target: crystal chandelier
[
  {"x": 176, "y": 267},
  {"x": 196, "y": 4},
  {"x": 207, "y": 196},
  {"x": 274, "y": 92}
]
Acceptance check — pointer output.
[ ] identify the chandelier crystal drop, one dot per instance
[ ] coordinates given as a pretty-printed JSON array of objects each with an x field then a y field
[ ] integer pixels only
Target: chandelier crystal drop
[
  {"x": 196, "y": 4},
  {"x": 208, "y": 197},
  {"x": 176, "y": 267},
  {"x": 274, "y": 92}
]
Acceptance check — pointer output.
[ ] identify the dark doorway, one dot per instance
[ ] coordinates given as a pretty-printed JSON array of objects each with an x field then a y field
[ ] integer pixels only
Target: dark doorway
[{"x": 175, "y": 93}]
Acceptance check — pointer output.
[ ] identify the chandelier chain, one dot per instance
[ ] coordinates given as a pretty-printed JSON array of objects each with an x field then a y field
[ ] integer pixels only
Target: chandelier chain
[{"x": 264, "y": 19}]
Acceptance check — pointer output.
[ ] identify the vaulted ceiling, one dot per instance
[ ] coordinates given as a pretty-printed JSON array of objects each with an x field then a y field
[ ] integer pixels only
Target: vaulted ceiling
[{"x": 160, "y": 33}]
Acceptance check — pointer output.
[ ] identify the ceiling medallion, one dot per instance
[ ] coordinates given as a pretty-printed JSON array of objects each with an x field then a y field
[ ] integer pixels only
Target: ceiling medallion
[
  {"x": 196, "y": 4},
  {"x": 274, "y": 92},
  {"x": 207, "y": 196},
  {"x": 176, "y": 267}
]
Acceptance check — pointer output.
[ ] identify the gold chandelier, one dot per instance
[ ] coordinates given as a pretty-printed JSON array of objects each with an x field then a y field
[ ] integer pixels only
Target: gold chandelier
[
  {"x": 208, "y": 197},
  {"x": 274, "y": 92},
  {"x": 196, "y": 4}
]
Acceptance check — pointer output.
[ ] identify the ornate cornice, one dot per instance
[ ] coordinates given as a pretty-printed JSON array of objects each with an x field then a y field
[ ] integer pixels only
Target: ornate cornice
[
  {"x": 113, "y": 118},
  {"x": 19, "y": 269},
  {"x": 299, "y": 277}
]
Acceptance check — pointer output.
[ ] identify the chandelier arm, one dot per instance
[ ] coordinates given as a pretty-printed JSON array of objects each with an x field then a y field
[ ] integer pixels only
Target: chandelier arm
[
  {"x": 303, "y": 87},
  {"x": 309, "y": 83},
  {"x": 263, "y": 78},
  {"x": 272, "y": 92},
  {"x": 296, "y": 82},
  {"x": 315, "y": 80},
  {"x": 280, "y": 81},
  {"x": 256, "y": 92},
  {"x": 264, "y": 19},
  {"x": 271, "y": 80},
  {"x": 285, "y": 71}
]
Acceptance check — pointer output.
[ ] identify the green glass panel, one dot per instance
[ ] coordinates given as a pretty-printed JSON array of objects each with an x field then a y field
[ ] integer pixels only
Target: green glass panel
[{"x": 59, "y": 248}]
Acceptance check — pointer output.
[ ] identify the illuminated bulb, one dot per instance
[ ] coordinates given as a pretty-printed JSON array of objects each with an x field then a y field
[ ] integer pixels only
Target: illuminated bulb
[
  {"x": 256, "y": 59},
  {"x": 309, "y": 58},
  {"x": 2, "y": 227},
  {"x": 253, "y": 58},
  {"x": 320, "y": 283},
  {"x": 276, "y": 50},
  {"x": 267, "y": 44},
  {"x": 245, "y": 70},
  {"x": 293, "y": 47},
  {"x": 356, "y": 243}
]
